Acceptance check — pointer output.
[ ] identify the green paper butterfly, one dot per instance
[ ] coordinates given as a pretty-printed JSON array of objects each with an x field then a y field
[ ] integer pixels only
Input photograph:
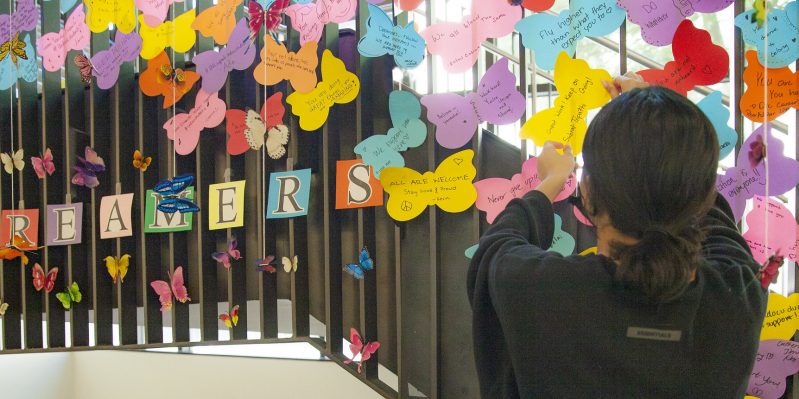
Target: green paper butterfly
[{"x": 70, "y": 295}]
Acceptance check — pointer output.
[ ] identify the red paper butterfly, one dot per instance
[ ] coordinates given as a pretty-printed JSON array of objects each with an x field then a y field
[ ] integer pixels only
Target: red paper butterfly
[
  {"x": 266, "y": 264},
  {"x": 85, "y": 67},
  {"x": 358, "y": 347},
  {"x": 770, "y": 270},
  {"x": 271, "y": 18},
  {"x": 231, "y": 319},
  {"x": 40, "y": 280}
]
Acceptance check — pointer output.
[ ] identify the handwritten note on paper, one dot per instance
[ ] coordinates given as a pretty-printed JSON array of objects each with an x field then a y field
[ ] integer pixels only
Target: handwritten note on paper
[
  {"x": 160, "y": 79},
  {"x": 238, "y": 54},
  {"x": 184, "y": 129},
  {"x": 458, "y": 44},
  {"x": 776, "y": 359},
  {"x": 782, "y": 317},
  {"x": 25, "y": 18},
  {"x": 154, "y": 11},
  {"x": 494, "y": 194},
  {"x": 697, "y": 61},
  {"x": 101, "y": 13},
  {"x": 382, "y": 37},
  {"x": 106, "y": 63},
  {"x": 581, "y": 90},
  {"x": 217, "y": 21},
  {"x": 782, "y": 85},
  {"x": 310, "y": 19},
  {"x": 765, "y": 238},
  {"x": 27, "y": 70},
  {"x": 177, "y": 34},
  {"x": 338, "y": 86},
  {"x": 496, "y": 101},
  {"x": 783, "y": 29},
  {"x": 383, "y": 150},
  {"x": 659, "y": 19},
  {"x": 450, "y": 187},
  {"x": 278, "y": 64},
  {"x": 719, "y": 115},
  {"x": 562, "y": 242},
  {"x": 54, "y": 46},
  {"x": 548, "y": 34}
]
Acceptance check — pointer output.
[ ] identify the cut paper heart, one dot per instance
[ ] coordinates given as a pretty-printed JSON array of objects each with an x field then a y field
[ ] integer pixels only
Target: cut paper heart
[
  {"x": 14, "y": 67},
  {"x": 161, "y": 79},
  {"x": 106, "y": 63},
  {"x": 562, "y": 242},
  {"x": 24, "y": 19},
  {"x": 383, "y": 37},
  {"x": 102, "y": 13},
  {"x": 770, "y": 228},
  {"x": 238, "y": 54},
  {"x": 251, "y": 130},
  {"x": 495, "y": 101},
  {"x": 697, "y": 61},
  {"x": 782, "y": 317},
  {"x": 494, "y": 193},
  {"x": 743, "y": 182},
  {"x": 154, "y": 12},
  {"x": 217, "y": 21},
  {"x": 659, "y": 19},
  {"x": 450, "y": 187},
  {"x": 783, "y": 90},
  {"x": 409, "y": 131},
  {"x": 783, "y": 34},
  {"x": 776, "y": 359},
  {"x": 718, "y": 114},
  {"x": 458, "y": 43},
  {"x": 580, "y": 90},
  {"x": 338, "y": 86},
  {"x": 547, "y": 34},
  {"x": 278, "y": 64},
  {"x": 177, "y": 34},
  {"x": 185, "y": 128},
  {"x": 310, "y": 19},
  {"x": 54, "y": 46}
]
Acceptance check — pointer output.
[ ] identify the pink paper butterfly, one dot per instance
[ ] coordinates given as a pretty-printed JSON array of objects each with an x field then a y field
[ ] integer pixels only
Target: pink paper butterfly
[
  {"x": 176, "y": 287},
  {"x": 44, "y": 164},
  {"x": 232, "y": 253},
  {"x": 310, "y": 19},
  {"x": 358, "y": 347},
  {"x": 54, "y": 46},
  {"x": 184, "y": 129}
]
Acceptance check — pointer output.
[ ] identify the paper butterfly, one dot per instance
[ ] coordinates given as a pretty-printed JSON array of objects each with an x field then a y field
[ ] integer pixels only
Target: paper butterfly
[
  {"x": 105, "y": 64},
  {"x": 214, "y": 66},
  {"x": 25, "y": 18},
  {"x": 160, "y": 79},
  {"x": 757, "y": 151},
  {"x": 776, "y": 325},
  {"x": 271, "y": 18},
  {"x": 495, "y": 101},
  {"x": 69, "y": 296},
  {"x": 771, "y": 229},
  {"x": 44, "y": 164},
  {"x": 548, "y": 34},
  {"x": 783, "y": 34},
  {"x": 382, "y": 37},
  {"x": 173, "y": 194},
  {"x": 13, "y": 161},
  {"x": 365, "y": 263},
  {"x": 289, "y": 264},
  {"x": 217, "y": 21},
  {"x": 117, "y": 267},
  {"x": 17, "y": 60},
  {"x": 231, "y": 319},
  {"x": 16, "y": 249},
  {"x": 85, "y": 68},
  {"x": 42, "y": 280},
  {"x": 357, "y": 347},
  {"x": 718, "y": 114},
  {"x": 278, "y": 64},
  {"x": 458, "y": 43},
  {"x": 338, "y": 86},
  {"x": 175, "y": 287},
  {"x": 154, "y": 11},
  {"x": 232, "y": 253},
  {"x": 102, "y": 13},
  {"x": 383, "y": 150},
  {"x": 775, "y": 360},
  {"x": 769, "y": 272},
  {"x": 697, "y": 61},
  {"x": 761, "y": 10},
  {"x": 54, "y": 46},
  {"x": 408, "y": 5},
  {"x": 450, "y": 187},
  {"x": 534, "y": 5},
  {"x": 579, "y": 90},
  {"x": 251, "y": 130},
  {"x": 141, "y": 162},
  {"x": 266, "y": 264},
  {"x": 87, "y": 168},
  {"x": 177, "y": 34},
  {"x": 310, "y": 19},
  {"x": 659, "y": 18},
  {"x": 185, "y": 128},
  {"x": 494, "y": 194},
  {"x": 783, "y": 88},
  {"x": 3, "y": 308}
]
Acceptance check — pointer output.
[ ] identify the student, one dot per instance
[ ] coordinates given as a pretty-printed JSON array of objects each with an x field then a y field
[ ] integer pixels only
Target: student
[{"x": 670, "y": 307}]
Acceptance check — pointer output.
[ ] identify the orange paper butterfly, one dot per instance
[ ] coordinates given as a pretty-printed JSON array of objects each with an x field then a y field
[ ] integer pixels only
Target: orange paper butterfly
[
  {"x": 140, "y": 161},
  {"x": 232, "y": 319},
  {"x": 160, "y": 79},
  {"x": 16, "y": 249}
]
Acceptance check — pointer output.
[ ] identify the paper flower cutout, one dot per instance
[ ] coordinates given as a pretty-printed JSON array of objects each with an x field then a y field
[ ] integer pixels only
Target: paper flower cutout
[
  {"x": 217, "y": 21},
  {"x": 310, "y": 19},
  {"x": 177, "y": 34},
  {"x": 783, "y": 89},
  {"x": 718, "y": 114},
  {"x": 383, "y": 37},
  {"x": 238, "y": 54},
  {"x": 185, "y": 128},
  {"x": 54, "y": 46},
  {"x": 783, "y": 34},
  {"x": 278, "y": 64},
  {"x": 101, "y": 13},
  {"x": 251, "y": 130},
  {"x": 659, "y": 19}
]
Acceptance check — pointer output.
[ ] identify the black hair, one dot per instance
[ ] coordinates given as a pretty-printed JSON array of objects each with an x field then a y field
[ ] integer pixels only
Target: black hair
[{"x": 650, "y": 160}]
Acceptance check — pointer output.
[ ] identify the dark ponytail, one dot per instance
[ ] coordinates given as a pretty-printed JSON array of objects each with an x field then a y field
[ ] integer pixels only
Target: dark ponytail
[{"x": 650, "y": 164}]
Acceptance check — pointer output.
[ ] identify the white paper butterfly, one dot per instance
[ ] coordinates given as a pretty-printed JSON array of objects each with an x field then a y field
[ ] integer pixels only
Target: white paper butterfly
[
  {"x": 14, "y": 160},
  {"x": 290, "y": 265}
]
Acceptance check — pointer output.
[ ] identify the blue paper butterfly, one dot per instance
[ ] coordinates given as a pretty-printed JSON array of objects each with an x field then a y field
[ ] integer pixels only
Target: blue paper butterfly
[
  {"x": 27, "y": 69},
  {"x": 783, "y": 34},
  {"x": 719, "y": 115},
  {"x": 358, "y": 270},
  {"x": 173, "y": 195},
  {"x": 382, "y": 37}
]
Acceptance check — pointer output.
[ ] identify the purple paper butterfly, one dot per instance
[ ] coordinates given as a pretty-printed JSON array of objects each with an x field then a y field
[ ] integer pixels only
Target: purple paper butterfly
[
  {"x": 232, "y": 253},
  {"x": 659, "y": 18},
  {"x": 775, "y": 360},
  {"x": 87, "y": 168},
  {"x": 106, "y": 63},
  {"x": 24, "y": 18},
  {"x": 238, "y": 54},
  {"x": 496, "y": 101}
]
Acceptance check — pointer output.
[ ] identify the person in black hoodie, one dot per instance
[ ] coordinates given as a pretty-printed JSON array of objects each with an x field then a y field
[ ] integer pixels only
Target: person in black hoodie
[{"x": 670, "y": 307}]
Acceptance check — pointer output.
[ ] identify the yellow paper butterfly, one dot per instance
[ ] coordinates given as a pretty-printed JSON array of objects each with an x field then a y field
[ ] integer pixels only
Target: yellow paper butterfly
[
  {"x": 15, "y": 48},
  {"x": 289, "y": 265},
  {"x": 338, "y": 86},
  {"x": 580, "y": 90},
  {"x": 761, "y": 11},
  {"x": 781, "y": 321},
  {"x": 117, "y": 267},
  {"x": 177, "y": 34},
  {"x": 450, "y": 187},
  {"x": 231, "y": 319},
  {"x": 3, "y": 308},
  {"x": 100, "y": 13},
  {"x": 13, "y": 161},
  {"x": 141, "y": 162}
]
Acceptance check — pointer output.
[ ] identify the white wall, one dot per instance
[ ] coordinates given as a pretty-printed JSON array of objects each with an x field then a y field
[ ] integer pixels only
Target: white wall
[{"x": 36, "y": 375}]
